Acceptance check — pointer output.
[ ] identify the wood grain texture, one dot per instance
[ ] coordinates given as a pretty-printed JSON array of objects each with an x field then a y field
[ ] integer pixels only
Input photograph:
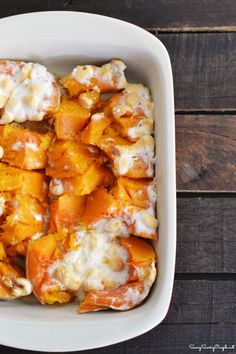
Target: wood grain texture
[
  {"x": 203, "y": 301},
  {"x": 158, "y": 14},
  {"x": 206, "y": 152},
  {"x": 206, "y": 235},
  {"x": 204, "y": 68}
]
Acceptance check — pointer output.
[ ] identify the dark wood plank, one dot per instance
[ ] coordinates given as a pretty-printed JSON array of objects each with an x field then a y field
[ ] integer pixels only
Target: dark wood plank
[
  {"x": 206, "y": 152},
  {"x": 158, "y": 14},
  {"x": 203, "y": 301},
  {"x": 165, "y": 339},
  {"x": 201, "y": 312},
  {"x": 204, "y": 68},
  {"x": 206, "y": 235}
]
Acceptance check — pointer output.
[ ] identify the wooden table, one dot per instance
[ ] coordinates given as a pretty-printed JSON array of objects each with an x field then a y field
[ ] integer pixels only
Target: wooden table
[{"x": 200, "y": 37}]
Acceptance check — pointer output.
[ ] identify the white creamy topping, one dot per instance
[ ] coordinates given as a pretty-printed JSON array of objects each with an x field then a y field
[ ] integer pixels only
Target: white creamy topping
[
  {"x": 83, "y": 74},
  {"x": 113, "y": 227},
  {"x": 135, "y": 97},
  {"x": 144, "y": 127},
  {"x": 22, "y": 287},
  {"x": 144, "y": 220},
  {"x": 98, "y": 116},
  {"x": 143, "y": 149},
  {"x": 31, "y": 97},
  {"x": 124, "y": 161},
  {"x": 133, "y": 297},
  {"x": 98, "y": 263},
  {"x": 17, "y": 146},
  {"x": 38, "y": 217},
  {"x": 32, "y": 146},
  {"x": 2, "y": 205},
  {"x": 56, "y": 186},
  {"x": 37, "y": 236},
  {"x": 85, "y": 101},
  {"x": 11, "y": 75},
  {"x": 152, "y": 195},
  {"x": 108, "y": 74}
]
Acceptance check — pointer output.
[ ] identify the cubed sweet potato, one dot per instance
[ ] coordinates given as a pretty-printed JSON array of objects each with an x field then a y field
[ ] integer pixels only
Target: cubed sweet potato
[
  {"x": 70, "y": 119},
  {"x": 94, "y": 130},
  {"x": 25, "y": 182},
  {"x": 134, "y": 160},
  {"x": 13, "y": 233},
  {"x": 140, "y": 251},
  {"x": 24, "y": 148},
  {"x": 118, "y": 299},
  {"x": 41, "y": 254},
  {"x": 99, "y": 204},
  {"x": 23, "y": 218},
  {"x": 2, "y": 252},
  {"x": 95, "y": 176},
  {"x": 24, "y": 209},
  {"x": 138, "y": 192},
  {"x": 66, "y": 211},
  {"x": 68, "y": 159}
]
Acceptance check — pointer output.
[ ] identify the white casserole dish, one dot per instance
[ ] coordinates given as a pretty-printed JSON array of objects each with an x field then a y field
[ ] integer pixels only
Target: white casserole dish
[{"x": 61, "y": 40}]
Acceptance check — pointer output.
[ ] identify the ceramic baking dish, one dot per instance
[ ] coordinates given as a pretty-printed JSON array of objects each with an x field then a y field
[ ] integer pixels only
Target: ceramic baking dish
[{"x": 61, "y": 40}]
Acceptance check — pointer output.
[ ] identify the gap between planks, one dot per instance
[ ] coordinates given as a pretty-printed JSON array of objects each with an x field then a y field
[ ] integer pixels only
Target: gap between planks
[
  {"x": 181, "y": 193},
  {"x": 187, "y": 29},
  {"x": 208, "y": 112},
  {"x": 206, "y": 276}
]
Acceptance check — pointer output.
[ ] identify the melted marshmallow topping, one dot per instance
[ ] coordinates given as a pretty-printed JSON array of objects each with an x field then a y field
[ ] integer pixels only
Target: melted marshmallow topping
[
  {"x": 97, "y": 263},
  {"x": 27, "y": 92},
  {"x": 110, "y": 74},
  {"x": 143, "y": 149}
]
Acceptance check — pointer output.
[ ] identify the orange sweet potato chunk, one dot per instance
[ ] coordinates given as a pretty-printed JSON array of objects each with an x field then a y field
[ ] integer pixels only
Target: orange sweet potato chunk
[
  {"x": 70, "y": 119},
  {"x": 140, "y": 251},
  {"x": 133, "y": 160},
  {"x": 2, "y": 252},
  {"x": 138, "y": 192},
  {"x": 17, "y": 249},
  {"x": 95, "y": 176},
  {"x": 26, "y": 182},
  {"x": 119, "y": 192},
  {"x": 133, "y": 128},
  {"x": 24, "y": 148},
  {"x": 68, "y": 159},
  {"x": 94, "y": 130},
  {"x": 73, "y": 86},
  {"x": 13, "y": 234},
  {"x": 41, "y": 254},
  {"x": 24, "y": 209},
  {"x": 109, "y": 141},
  {"x": 24, "y": 218},
  {"x": 66, "y": 211},
  {"x": 117, "y": 299},
  {"x": 99, "y": 204}
]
